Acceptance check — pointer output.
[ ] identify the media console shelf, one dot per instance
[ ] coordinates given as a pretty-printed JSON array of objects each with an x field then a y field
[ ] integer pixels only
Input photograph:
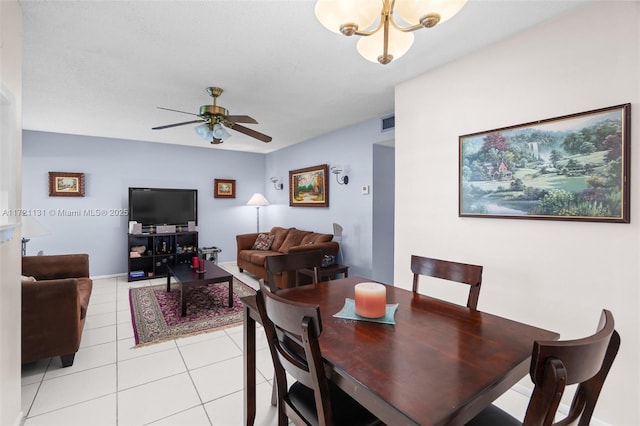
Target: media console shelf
[{"x": 159, "y": 251}]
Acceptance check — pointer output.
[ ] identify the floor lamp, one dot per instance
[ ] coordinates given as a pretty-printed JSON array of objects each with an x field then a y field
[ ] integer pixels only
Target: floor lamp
[
  {"x": 31, "y": 228},
  {"x": 257, "y": 200}
]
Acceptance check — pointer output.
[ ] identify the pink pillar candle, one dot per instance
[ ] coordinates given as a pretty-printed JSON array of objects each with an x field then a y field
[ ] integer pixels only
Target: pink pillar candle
[
  {"x": 371, "y": 300},
  {"x": 194, "y": 262}
]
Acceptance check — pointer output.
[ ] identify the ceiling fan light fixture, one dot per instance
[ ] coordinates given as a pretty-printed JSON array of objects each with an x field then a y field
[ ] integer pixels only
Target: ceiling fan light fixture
[
  {"x": 204, "y": 131},
  {"x": 384, "y": 25},
  {"x": 220, "y": 132},
  {"x": 213, "y": 117}
]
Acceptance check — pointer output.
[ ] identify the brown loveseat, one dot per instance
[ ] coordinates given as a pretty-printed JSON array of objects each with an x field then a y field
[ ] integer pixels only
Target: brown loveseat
[
  {"x": 284, "y": 241},
  {"x": 54, "y": 306}
]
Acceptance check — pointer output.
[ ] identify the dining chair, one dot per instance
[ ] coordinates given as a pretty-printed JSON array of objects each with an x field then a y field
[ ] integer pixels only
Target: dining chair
[
  {"x": 452, "y": 271},
  {"x": 287, "y": 267},
  {"x": 292, "y": 330},
  {"x": 557, "y": 364}
]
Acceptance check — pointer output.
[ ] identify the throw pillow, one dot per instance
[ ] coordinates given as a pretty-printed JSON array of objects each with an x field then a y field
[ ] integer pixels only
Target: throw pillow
[
  {"x": 263, "y": 242},
  {"x": 26, "y": 279}
]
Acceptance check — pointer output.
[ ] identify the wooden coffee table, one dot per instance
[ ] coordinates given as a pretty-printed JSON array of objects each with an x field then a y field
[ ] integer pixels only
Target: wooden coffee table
[{"x": 188, "y": 278}]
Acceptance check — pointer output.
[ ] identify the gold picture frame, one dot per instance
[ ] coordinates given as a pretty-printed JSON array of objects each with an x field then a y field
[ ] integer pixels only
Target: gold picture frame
[
  {"x": 224, "y": 188},
  {"x": 309, "y": 187},
  {"x": 575, "y": 168},
  {"x": 66, "y": 184}
]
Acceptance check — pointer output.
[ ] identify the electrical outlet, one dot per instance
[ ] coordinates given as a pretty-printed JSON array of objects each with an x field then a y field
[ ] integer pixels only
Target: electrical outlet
[{"x": 365, "y": 189}]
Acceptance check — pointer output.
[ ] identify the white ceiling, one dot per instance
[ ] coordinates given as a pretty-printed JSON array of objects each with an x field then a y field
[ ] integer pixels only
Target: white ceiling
[{"x": 101, "y": 68}]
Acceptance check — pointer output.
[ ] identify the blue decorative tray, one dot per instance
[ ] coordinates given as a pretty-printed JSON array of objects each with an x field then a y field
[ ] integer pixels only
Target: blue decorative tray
[{"x": 348, "y": 311}]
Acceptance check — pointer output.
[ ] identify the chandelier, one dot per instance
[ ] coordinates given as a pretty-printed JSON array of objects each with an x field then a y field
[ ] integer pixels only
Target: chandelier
[{"x": 387, "y": 32}]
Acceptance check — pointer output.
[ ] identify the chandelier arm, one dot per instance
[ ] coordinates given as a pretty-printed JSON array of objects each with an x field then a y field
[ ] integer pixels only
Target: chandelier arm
[
  {"x": 405, "y": 29},
  {"x": 366, "y": 33}
]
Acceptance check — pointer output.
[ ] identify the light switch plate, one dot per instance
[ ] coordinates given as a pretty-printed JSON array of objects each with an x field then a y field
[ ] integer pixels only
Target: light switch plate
[{"x": 365, "y": 189}]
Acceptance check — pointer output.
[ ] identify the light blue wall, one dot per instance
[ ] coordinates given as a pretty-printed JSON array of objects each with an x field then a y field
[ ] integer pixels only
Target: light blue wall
[
  {"x": 352, "y": 148},
  {"x": 383, "y": 212},
  {"x": 111, "y": 166}
]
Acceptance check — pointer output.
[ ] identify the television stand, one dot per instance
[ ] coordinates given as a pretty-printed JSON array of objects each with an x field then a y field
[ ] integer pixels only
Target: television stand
[{"x": 150, "y": 254}]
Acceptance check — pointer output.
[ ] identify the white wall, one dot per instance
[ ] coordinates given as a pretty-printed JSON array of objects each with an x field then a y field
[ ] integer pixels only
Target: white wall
[
  {"x": 10, "y": 290},
  {"x": 552, "y": 274}
]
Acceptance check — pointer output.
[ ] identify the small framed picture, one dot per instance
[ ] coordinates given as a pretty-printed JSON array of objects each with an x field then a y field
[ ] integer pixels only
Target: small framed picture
[
  {"x": 65, "y": 184},
  {"x": 224, "y": 188}
]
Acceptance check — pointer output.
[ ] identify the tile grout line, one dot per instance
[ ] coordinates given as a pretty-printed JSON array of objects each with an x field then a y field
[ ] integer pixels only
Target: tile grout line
[{"x": 193, "y": 383}]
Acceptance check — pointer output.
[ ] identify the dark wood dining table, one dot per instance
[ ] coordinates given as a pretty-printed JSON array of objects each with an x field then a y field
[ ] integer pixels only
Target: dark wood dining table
[{"x": 440, "y": 363}]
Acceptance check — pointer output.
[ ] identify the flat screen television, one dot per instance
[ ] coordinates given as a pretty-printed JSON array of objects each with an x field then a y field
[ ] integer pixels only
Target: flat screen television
[{"x": 163, "y": 206}]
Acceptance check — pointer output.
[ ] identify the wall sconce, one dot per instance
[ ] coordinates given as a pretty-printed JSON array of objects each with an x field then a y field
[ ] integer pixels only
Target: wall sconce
[
  {"x": 337, "y": 170},
  {"x": 276, "y": 185}
]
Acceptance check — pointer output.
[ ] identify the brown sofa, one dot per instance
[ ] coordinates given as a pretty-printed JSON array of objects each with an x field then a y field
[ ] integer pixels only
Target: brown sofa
[
  {"x": 54, "y": 306},
  {"x": 285, "y": 240}
]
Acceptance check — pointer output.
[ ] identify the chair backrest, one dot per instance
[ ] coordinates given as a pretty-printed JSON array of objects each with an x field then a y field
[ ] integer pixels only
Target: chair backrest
[
  {"x": 452, "y": 271},
  {"x": 287, "y": 266},
  {"x": 292, "y": 331},
  {"x": 556, "y": 364}
]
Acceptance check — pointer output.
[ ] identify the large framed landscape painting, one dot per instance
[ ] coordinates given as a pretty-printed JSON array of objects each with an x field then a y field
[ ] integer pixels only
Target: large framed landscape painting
[
  {"x": 574, "y": 167},
  {"x": 309, "y": 187}
]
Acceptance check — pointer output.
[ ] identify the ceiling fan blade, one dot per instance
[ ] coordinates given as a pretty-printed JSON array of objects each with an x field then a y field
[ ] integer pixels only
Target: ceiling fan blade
[
  {"x": 240, "y": 119},
  {"x": 177, "y": 110},
  {"x": 250, "y": 132},
  {"x": 177, "y": 124}
]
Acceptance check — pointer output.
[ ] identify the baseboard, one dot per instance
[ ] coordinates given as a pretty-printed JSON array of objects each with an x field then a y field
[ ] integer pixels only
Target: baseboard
[
  {"x": 564, "y": 408},
  {"x": 100, "y": 277}
]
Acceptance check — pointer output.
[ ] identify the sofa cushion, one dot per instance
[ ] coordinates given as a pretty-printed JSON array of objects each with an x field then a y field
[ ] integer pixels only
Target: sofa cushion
[
  {"x": 263, "y": 242},
  {"x": 314, "y": 238},
  {"x": 245, "y": 255},
  {"x": 294, "y": 237},
  {"x": 259, "y": 257},
  {"x": 280, "y": 235}
]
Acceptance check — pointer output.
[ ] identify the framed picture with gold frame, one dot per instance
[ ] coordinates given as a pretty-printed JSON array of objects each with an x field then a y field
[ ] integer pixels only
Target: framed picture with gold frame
[
  {"x": 224, "y": 188},
  {"x": 309, "y": 187},
  {"x": 575, "y": 168},
  {"x": 65, "y": 184}
]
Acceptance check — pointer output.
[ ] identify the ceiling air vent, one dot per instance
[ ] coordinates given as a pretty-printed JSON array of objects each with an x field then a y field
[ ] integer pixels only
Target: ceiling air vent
[{"x": 387, "y": 123}]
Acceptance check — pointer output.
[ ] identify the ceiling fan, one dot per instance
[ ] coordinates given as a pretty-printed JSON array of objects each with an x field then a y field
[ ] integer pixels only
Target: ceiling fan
[{"x": 214, "y": 117}]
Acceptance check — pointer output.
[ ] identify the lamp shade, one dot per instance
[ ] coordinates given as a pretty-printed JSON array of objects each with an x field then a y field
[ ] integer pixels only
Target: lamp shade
[
  {"x": 257, "y": 200},
  {"x": 32, "y": 228},
  {"x": 412, "y": 10},
  {"x": 333, "y": 13},
  {"x": 371, "y": 47}
]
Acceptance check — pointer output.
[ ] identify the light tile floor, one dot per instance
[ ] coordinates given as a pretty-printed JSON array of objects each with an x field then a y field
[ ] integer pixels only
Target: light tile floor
[{"x": 188, "y": 381}]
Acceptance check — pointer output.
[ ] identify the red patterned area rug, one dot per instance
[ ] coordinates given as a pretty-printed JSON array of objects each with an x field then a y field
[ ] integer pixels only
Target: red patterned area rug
[{"x": 155, "y": 314}]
